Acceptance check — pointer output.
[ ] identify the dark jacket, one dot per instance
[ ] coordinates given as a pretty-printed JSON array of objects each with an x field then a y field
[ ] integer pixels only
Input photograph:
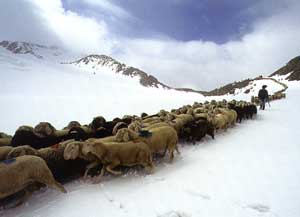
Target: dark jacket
[{"x": 263, "y": 94}]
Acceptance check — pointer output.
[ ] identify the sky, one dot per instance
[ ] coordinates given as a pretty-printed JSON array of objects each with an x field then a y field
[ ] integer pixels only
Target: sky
[{"x": 200, "y": 44}]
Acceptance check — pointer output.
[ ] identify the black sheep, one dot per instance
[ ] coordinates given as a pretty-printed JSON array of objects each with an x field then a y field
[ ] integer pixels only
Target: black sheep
[
  {"x": 97, "y": 122},
  {"x": 196, "y": 130},
  {"x": 25, "y": 135}
]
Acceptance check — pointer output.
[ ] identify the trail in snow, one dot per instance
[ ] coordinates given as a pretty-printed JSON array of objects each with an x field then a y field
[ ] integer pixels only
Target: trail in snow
[{"x": 251, "y": 170}]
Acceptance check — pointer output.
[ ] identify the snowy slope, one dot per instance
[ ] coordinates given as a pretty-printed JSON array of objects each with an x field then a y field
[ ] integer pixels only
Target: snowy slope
[
  {"x": 251, "y": 170},
  {"x": 254, "y": 86},
  {"x": 34, "y": 90}
]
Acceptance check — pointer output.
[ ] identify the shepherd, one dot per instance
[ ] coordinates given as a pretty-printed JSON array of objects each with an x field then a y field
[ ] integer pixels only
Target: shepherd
[{"x": 263, "y": 96}]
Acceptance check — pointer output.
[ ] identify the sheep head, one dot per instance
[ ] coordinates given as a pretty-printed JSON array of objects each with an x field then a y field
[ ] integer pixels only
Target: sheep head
[
  {"x": 20, "y": 151},
  {"x": 122, "y": 135},
  {"x": 95, "y": 148},
  {"x": 72, "y": 150}
]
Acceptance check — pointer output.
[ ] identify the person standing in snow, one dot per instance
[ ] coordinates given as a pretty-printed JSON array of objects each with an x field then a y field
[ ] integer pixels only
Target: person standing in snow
[{"x": 263, "y": 96}]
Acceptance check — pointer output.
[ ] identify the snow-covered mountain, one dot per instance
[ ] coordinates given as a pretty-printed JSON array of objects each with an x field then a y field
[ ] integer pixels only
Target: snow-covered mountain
[
  {"x": 291, "y": 70},
  {"x": 98, "y": 62},
  {"x": 34, "y": 89},
  {"x": 36, "y": 50}
]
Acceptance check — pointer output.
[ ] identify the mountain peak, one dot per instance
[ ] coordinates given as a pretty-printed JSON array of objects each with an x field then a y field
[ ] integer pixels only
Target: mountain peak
[
  {"x": 20, "y": 47},
  {"x": 97, "y": 61},
  {"x": 292, "y": 67}
]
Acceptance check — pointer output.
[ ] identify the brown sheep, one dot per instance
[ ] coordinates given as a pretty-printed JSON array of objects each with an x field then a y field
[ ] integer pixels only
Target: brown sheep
[
  {"x": 114, "y": 154},
  {"x": 158, "y": 139},
  {"x": 20, "y": 151},
  {"x": 219, "y": 121},
  {"x": 118, "y": 126},
  {"x": 4, "y": 150},
  {"x": 61, "y": 169},
  {"x": 5, "y": 139},
  {"x": 73, "y": 151},
  {"x": 17, "y": 173},
  {"x": 229, "y": 113}
]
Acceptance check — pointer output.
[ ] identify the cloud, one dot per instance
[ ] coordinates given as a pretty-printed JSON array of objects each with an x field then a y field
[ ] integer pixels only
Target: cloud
[
  {"x": 19, "y": 21},
  {"x": 109, "y": 7},
  {"x": 273, "y": 40},
  {"x": 205, "y": 65},
  {"x": 47, "y": 22}
]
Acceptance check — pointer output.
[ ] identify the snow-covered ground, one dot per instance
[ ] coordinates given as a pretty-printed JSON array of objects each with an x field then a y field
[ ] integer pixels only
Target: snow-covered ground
[
  {"x": 34, "y": 90},
  {"x": 251, "y": 170}
]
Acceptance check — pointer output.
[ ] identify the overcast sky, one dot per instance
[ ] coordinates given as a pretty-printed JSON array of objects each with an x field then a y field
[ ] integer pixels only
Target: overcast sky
[{"x": 184, "y": 43}]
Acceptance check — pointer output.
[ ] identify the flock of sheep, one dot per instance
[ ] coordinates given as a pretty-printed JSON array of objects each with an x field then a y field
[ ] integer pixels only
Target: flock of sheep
[
  {"x": 34, "y": 157},
  {"x": 276, "y": 96}
]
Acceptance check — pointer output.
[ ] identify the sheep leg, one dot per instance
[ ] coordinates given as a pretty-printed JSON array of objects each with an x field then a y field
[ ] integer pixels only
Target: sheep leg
[
  {"x": 177, "y": 150},
  {"x": 98, "y": 178},
  {"x": 25, "y": 195},
  {"x": 48, "y": 179},
  {"x": 110, "y": 167},
  {"x": 90, "y": 166},
  {"x": 171, "y": 152},
  {"x": 149, "y": 168},
  {"x": 24, "y": 198}
]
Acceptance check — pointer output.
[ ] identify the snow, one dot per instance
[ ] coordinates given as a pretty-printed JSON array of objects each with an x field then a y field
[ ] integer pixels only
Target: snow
[
  {"x": 33, "y": 90},
  {"x": 250, "y": 170}
]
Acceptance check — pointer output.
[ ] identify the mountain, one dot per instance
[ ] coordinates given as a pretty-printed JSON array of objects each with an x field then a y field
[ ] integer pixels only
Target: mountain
[
  {"x": 289, "y": 72},
  {"x": 96, "y": 62},
  {"x": 36, "y": 50},
  {"x": 291, "y": 69}
]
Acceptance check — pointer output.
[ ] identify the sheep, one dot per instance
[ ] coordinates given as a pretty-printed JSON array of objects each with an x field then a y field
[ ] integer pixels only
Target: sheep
[
  {"x": 21, "y": 151},
  {"x": 73, "y": 151},
  {"x": 229, "y": 113},
  {"x": 135, "y": 126},
  {"x": 147, "y": 124},
  {"x": 44, "y": 129},
  {"x": 159, "y": 124},
  {"x": 78, "y": 133},
  {"x": 114, "y": 154},
  {"x": 97, "y": 122},
  {"x": 181, "y": 120},
  {"x": 144, "y": 115},
  {"x": 151, "y": 119},
  {"x": 72, "y": 124},
  {"x": 195, "y": 131},
  {"x": 40, "y": 137},
  {"x": 4, "y": 150},
  {"x": 109, "y": 125},
  {"x": 158, "y": 139},
  {"x": 61, "y": 169},
  {"x": 127, "y": 119},
  {"x": 5, "y": 139},
  {"x": 83, "y": 133},
  {"x": 239, "y": 111},
  {"x": 17, "y": 173},
  {"x": 23, "y": 136},
  {"x": 118, "y": 126},
  {"x": 219, "y": 121},
  {"x": 101, "y": 132}
]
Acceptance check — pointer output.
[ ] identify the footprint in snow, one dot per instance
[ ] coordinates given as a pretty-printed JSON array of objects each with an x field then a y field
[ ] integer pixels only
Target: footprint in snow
[
  {"x": 198, "y": 194},
  {"x": 259, "y": 208},
  {"x": 174, "y": 214}
]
